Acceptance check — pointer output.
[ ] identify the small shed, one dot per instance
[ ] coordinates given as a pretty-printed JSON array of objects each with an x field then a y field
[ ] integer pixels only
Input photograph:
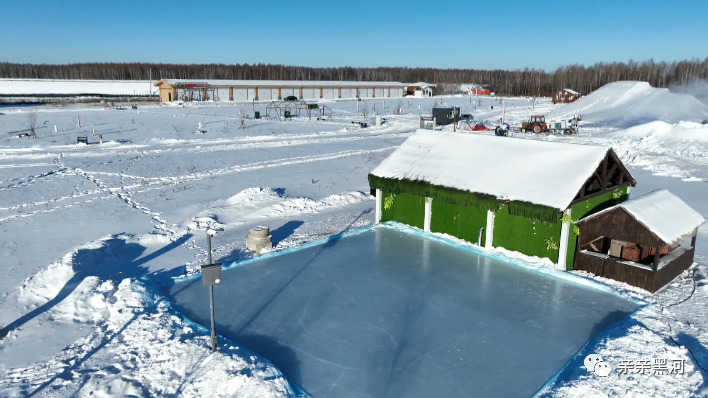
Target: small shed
[
  {"x": 420, "y": 89},
  {"x": 565, "y": 96},
  {"x": 640, "y": 241},
  {"x": 446, "y": 115}
]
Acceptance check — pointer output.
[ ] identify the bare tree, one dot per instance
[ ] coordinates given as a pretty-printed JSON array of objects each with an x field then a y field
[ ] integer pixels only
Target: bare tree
[
  {"x": 364, "y": 109},
  {"x": 527, "y": 81},
  {"x": 399, "y": 107},
  {"x": 32, "y": 124}
]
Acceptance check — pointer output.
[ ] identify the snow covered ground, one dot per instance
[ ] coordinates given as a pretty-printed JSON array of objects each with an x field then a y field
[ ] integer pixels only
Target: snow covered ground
[
  {"x": 85, "y": 229},
  {"x": 58, "y": 86}
]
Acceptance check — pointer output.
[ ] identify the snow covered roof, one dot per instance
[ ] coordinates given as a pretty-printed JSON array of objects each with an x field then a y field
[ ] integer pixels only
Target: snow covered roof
[
  {"x": 663, "y": 213},
  {"x": 571, "y": 91},
  {"x": 421, "y": 84},
  {"x": 281, "y": 83},
  {"x": 540, "y": 172}
]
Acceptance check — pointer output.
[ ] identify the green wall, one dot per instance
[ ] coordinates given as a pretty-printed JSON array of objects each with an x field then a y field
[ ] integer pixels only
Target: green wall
[
  {"x": 510, "y": 232},
  {"x": 459, "y": 221},
  {"x": 518, "y": 234},
  {"x": 408, "y": 209},
  {"x": 588, "y": 207}
]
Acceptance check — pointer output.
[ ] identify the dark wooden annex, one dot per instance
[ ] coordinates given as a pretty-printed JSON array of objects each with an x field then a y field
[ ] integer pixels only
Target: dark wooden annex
[{"x": 615, "y": 244}]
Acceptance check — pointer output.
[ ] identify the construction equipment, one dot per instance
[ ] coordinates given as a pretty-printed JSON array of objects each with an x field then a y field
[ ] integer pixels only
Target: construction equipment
[
  {"x": 537, "y": 124},
  {"x": 566, "y": 127}
]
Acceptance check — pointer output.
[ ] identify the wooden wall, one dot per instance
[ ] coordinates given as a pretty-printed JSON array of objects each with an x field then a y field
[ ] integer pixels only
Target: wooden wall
[
  {"x": 616, "y": 224},
  {"x": 644, "y": 278}
]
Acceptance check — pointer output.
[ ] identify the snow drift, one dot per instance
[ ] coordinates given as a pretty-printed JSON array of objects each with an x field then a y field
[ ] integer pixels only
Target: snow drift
[{"x": 626, "y": 104}]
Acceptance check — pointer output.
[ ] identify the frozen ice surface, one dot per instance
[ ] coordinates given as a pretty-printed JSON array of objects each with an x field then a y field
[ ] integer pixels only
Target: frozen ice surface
[{"x": 386, "y": 313}]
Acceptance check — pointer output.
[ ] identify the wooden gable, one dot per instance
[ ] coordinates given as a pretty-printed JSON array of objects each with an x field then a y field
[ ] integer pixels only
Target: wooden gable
[{"x": 609, "y": 175}]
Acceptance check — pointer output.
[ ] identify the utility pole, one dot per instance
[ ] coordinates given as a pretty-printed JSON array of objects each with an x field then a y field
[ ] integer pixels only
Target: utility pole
[
  {"x": 150, "y": 82},
  {"x": 211, "y": 275},
  {"x": 211, "y": 300}
]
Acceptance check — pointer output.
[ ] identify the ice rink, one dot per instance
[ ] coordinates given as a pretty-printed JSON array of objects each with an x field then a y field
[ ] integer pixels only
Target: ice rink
[{"x": 387, "y": 313}]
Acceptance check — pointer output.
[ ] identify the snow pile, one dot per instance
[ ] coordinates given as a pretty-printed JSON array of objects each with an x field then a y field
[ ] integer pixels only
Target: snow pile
[
  {"x": 253, "y": 204},
  {"x": 659, "y": 131},
  {"x": 677, "y": 150},
  {"x": 629, "y": 103},
  {"x": 663, "y": 213},
  {"x": 50, "y": 86},
  {"x": 540, "y": 172},
  {"x": 118, "y": 338}
]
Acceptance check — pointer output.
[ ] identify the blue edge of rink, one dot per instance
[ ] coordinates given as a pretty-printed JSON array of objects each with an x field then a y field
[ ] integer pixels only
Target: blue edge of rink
[{"x": 573, "y": 363}]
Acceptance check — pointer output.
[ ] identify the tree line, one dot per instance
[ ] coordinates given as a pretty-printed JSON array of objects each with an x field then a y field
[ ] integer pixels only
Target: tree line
[{"x": 529, "y": 81}]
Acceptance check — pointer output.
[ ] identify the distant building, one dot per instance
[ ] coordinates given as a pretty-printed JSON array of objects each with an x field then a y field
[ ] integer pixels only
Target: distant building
[
  {"x": 273, "y": 90},
  {"x": 420, "y": 89},
  {"x": 475, "y": 89},
  {"x": 565, "y": 96}
]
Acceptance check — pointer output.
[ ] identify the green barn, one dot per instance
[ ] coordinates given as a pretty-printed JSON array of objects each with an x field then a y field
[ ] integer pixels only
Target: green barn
[{"x": 519, "y": 194}]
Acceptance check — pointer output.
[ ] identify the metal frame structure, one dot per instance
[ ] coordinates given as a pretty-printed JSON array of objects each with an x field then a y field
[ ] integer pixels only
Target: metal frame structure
[{"x": 278, "y": 109}]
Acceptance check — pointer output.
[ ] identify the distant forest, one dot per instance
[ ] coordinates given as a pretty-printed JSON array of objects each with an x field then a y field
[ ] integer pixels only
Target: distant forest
[{"x": 513, "y": 82}]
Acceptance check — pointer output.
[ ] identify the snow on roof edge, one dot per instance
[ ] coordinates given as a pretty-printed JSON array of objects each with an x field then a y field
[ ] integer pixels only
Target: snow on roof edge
[
  {"x": 666, "y": 205},
  {"x": 294, "y": 83},
  {"x": 455, "y": 160}
]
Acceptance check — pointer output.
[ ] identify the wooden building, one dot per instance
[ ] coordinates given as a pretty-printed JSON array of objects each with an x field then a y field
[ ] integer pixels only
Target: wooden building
[
  {"x": 639, "y": 241},
  {"x": 420, "y": 89},
  {"x": 565, "y": 96},
  {"x": 272, "y": 90},
  {"x": 522, "y": 195}
]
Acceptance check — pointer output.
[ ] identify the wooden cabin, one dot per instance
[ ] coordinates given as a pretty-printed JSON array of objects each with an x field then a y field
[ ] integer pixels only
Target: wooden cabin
[
  {"x": 565, "y": 96},
  {"x": 643, "y": 241}
]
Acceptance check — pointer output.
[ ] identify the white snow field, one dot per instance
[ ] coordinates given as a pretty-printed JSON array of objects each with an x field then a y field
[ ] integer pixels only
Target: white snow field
[
  {"x": 85, "y": 230},
  {"x": 77, "y": 87}
]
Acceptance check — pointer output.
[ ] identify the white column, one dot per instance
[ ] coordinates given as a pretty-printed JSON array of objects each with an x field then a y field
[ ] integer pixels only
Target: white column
[
  {"x": 377, "y": 217},
  {"x": 489, "y": 230},
  {"x": 563, "y": 246},
  {"x": 428, "y": 214}
]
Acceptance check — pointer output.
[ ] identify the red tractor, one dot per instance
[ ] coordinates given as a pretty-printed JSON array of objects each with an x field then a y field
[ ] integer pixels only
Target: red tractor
[{"x": 537, "y": 124}]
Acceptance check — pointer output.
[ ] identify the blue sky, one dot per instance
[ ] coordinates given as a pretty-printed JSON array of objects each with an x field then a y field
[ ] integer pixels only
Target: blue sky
[{"x": 445, "y": 34}]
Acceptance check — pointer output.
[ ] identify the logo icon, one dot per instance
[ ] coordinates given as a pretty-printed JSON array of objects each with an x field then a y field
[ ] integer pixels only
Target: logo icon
[{"x": 593, "y": 363}]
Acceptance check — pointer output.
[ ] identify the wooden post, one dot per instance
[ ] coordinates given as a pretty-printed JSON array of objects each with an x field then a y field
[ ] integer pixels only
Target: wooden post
[
  {"x": 655, "y": 265},
  {"x": 377, "y": 214},
  {"x": 489, "y": 241},
  {"x": 563, "y": 245},
  {"x": 428, "y": 214}
]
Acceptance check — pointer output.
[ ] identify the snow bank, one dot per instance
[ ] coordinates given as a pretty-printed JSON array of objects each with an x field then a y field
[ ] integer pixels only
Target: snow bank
[
  {"x": 115, "y": 338},
  {"x": 676, "y": 150},
  {"x": 666, "y": 132},
  {"x": 540, "y": 172},
  {"x": 49, "y": 86},
  {"x": 627, "y": 103}
]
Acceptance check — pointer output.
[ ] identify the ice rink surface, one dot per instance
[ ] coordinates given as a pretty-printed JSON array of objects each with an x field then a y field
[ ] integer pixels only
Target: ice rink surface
[{"x": 386, "y": 313}]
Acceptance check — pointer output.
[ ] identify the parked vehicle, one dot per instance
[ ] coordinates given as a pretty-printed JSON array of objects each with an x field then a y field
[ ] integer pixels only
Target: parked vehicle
[
  {"x": 290, "y": 98},
  {"x": 537, "y": 124},
  {"x": 566, "y": 127}
]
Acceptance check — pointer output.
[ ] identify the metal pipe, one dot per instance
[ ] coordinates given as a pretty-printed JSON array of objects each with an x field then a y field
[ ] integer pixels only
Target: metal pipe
[{"x": 211, "y": 300}]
